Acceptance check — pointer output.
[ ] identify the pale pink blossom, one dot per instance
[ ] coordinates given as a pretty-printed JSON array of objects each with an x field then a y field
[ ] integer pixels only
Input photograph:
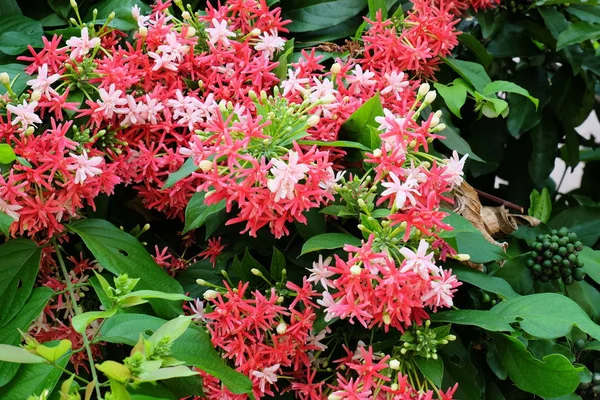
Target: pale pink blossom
[
  {"x": 270, "y": 43},
  {"x": 25, "y": 114},
  {"x": 219, "y": 33},
  {"x": 388, "y": 121},
  {"x": 109, "y": 101},
  {"x": 331, "y": 183},
  {"x": 402, "y": 191},
  {"x": 286, "y": 175},
  {"x": 294, "y": 84},
  {"x": 320, "y": 272},
  {"x": 266, "y": 376},
  {"x": 197, "y": 308},
  {"x": 81, "y": 46},
  {"x": 453, "y": 173},
  {"x": 396, "y": 83},
  {"x": 419, "y": 262},
  {"x": 43, "y": 81},
  {"x": 164, "y": 60},
  {"x": 84, "y": 167},
  {"x": 361, "y": 78},
  {"x": 10, "y": 209},
  {"x": 328, "y": 303},
  {"x": 135, "y": 112},
  {"x": 442, "y": 290}
]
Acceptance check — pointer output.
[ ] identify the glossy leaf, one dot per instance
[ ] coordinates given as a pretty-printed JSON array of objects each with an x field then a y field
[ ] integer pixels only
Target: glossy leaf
[
  {"x": 453, "y": 140},
  {"x": 540, "y": 205},
  {"x": 18, "y": 355},
  {"x": 197, "y": 212},
  {"x": 329, "y": 241},
  {"x": 17, "y": 32},
  {"x": 432, "y": 369},
  {"x": 454, "y": 96},
  {"x": 356, "y": 127},
  {"x": 122, "y": 253},
  {"x": 188, "y": 167},
  {"x": 471, "y": 72},
  {"x": 81, "y": 321},
  {"x": 7, "y": 154},
  {"x": 5, "y": 223},
  {"x": 309, "y": 16},
  {"x": 577, "y": 33},
  {"x": 54, "y": 353},
  {"x": 508, "y": 87},
  {"x": 583, "y": 220},
  {"x": 486, "y": 282},
  {"x": 167, "y": 373}
]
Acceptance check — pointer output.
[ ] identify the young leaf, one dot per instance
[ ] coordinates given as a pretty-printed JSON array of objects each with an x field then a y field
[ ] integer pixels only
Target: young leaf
[
  {"x": 114, "y": 370},
  {"x": 471, "y": 72},
  {"x": 277, "y": 265},
  {"x": 167, "y": 373},
  {"x": 155, "y": 294},
  {"x": 173, "y": 329},
  {"x": 81, "y": 321},
  {"x": 7, "y": 155},
  {"x": 14, "y": 354},
  {"x": 554, "y": 376},
  {"x": 54, "y": 353},
  {"x": 197, "y": 212},
  {"x": 541, "y": 205},
  {"x": 188, "y": 167},
  {"x": 329, "y": 241},
  {"x": 508, "y": 87},
  {"x": 122, "y": 253},
  {"x": 356, "y": 128}
]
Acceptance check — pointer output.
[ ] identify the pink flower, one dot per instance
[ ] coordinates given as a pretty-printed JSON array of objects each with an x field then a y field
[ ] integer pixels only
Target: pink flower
[
  {"x": 219, "y": 33},
  {"x": 270, "y": 43},
  {"x": 84, "y": 167},
  {"x": 320, "y": 272},
  {"x": 294, "y": 84},
  {"x": 453, "y": 174},
  {"x": 361, "y": 79},
  {"x": 402, "y": 191},
  {"x": 286, "y": 176},
  {"x": 419, "y": 262},
  {"x": 109, "y": 101},
  {"x": 81, "y": 46},
  {"x": 266, "y": 376},
  {"x": 43, "y": 81},
  {"x": 328, "y": 302},
  {"x": 10, "y": 209},
  {"x": 25, "y": 114},
  {"x": 396, "y": 84},
  {"x": 442, "y": 290}
]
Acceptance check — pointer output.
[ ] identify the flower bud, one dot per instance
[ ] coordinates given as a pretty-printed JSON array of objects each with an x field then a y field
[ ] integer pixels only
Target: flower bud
[
  {"x": 256, "y": 272},
  {"x": 394, "y": 387},
  {"x": 210, "y": 294},
  {"x": 205, "y": 165},
  {"x": 143, "y": 31},
  {"x": 386, "y": 318},
  {"x": 255, "y": 32},
  {"x": 334, "y": 396},
  {"x": 4, "y": 78},
  {"x": 190, "y": 32},
  {"x": 355, "y": 270},
  {"x": 281, "y": 328},
  {"x": 438, "y": 114},
  {"x": 430, "y": 97},
  {"x": 313, "y": 120},
  {"x": 186, "y": 15},
  {"x": 29, "y": 130},
  {"x": 73, "y": 4},
  {"x": 280, "y": 299},
  {"x": 439, "y": 128},
  {"x": 423, "y": 89},
  {"x": 327, "y": 99},
  {"x": 36, "y": 95},
  {"x": 394, "y": 364},
  {"x": 336, "y": 68},
  {"x": 377, "y": 153},
  {"x": 361, "y": 203},
  {"x": 462, "y": 257},
  {"x": 434, "y": 121},
  {"x": 200, "y": 281}
]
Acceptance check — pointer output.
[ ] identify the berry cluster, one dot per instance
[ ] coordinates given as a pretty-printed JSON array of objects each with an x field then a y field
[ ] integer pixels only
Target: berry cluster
[{"x": 554, "y": 256}]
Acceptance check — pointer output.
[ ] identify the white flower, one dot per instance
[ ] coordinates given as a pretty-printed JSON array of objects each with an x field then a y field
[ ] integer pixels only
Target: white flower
[
  {"x": 267, "y": 375},
  {"x": 84, "y": 167},
  {"x": 165, "y": 60},
  {"x": 269, "y": 43},
  {"x": 135, "y": 112},
  {"x": 173, "y": 47},
  {"x": 25, "y": 114},
  {"x": 293, "y": 84},
  {"x": 419, "y": 262},
  {"x": 396, "y": 84},
  {"x": 136, "y": 14},
  {"x": 10, "y": 210},
  {"x": 286, "y": 176},
  {"x": 403, "y": 191},
  {"x": 43, "y": 81},
  {"x": 219, "y": 32},
  {"x": 81, "y": 46},
  {"x": 109, "y": 101},
  {"x": 320, "y": 272},
  {"x": 453, "y": 174}
]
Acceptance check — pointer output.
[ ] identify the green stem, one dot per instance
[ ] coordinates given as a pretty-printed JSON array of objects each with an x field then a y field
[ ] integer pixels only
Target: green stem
[
  {"x": 72, "y": 374},
  {"x": 77, "y": 310}
]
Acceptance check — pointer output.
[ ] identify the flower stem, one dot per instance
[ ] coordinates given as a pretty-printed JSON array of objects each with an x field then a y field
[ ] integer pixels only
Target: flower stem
[{"x": 76, "y": 309}]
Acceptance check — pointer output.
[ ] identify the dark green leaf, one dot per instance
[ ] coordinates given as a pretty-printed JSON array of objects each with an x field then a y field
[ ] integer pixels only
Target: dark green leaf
[
  {"x": 20, "y": 260},
  {"x": 432, "y": 369},
  {"x": 193, "y": 347},
  {"x": 577, "y": 33},
  {"x": 454, "y": 96},
  {"x": 5, "y": 223},
  {"x": 285, "y": 56},
  {"x": 591, "y": 263},
  {"x": 454, "y": 141},
  {"x": 486, "y": 282},
  {"x": 13, "y": 70},
  {"x": 9, "y": 7},
  {"x": 552, "y": 377},
  {"x": 17, "y": 31},
  {"x": 197, "y": 212},
  {"x": 477, "y": 48},
  {"x": 508, "y": 87},
  {"x": 542, "y": 348},
  {"x": 277, "y": 265},
  {"x": 307, "y": 15},
  {"x": 121, "y": 253},
  {"x": 478, "y": 247},
  {"x": 571, "y": 147},
  {"x": 585, "y": 12},
  {"x": 494, "y": 362},
  {"x": 186, "y": 170},
  {"x": 583, "y": 220},
  {"x": 329, "y": 241},
  {"x": 545, "y": 142},
  {"x": 516, "y": 274},
  {"x": 357, "y": 126},
  {"x": 540, "y": 205},
  {"x": 122, "y": 8},
  {"x": 200, "y": 270},
  {"x": 459, "y": 369}
]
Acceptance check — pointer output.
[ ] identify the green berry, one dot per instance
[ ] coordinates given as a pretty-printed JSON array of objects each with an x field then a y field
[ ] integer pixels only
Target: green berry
[
  {"x": 572, "y": 236},
  {"x": 568, "y": 280},
  {"x": 554, "y": 238},
  {"x": 535, "y": 254},
  {"x": 554, "y": 232},
  {"x": 596, "y": 379},
  {"x": 537, "y": 268},
  {"x": 485, "y": 298},
  {"x": 563, "y": 241},
  {"x": 530, "y": 263},
  {"x": 547, "y": 264},
  {"x": 572, "y": 257},
  {"x": 563, "y": 231},
  {"x": 570, "y": 248},
  {"x": 538, "y": 246},
  {"x": 547, "y": 254},
  {"x": 546, "y": 245},
  {"x": 578, "y": 274},
  {"x": 540, "y": 237},
  {"x": 578, "y": 245},
  {"x": 556, "y": 259},
  {"x": 562, "y": 251},
  {"x": 579, "y": 263},
  {"x": 554, "y": 246},
  {"x": 566, "y": 263}
]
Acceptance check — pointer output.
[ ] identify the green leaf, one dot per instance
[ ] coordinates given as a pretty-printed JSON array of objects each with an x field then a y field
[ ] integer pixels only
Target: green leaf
[
  {"x": 552, "y": 377},
  {"x": 18, "y": 271},
  {"x": 122, "y": 8},
  {"x": 591, "y": 262},
  {"x": 454, "y": 96},
  {"x": 486, "y": 282},
  {"x": 478, "y": 247},
  {"x": 7, "y": 155},
  {"x": 329, "y": 241},
  {"x": 188, "y": 167},
  {"x": 589, "y": 13},
  {"x": 307, "y": 15},
  {"x": 508, "y": 87},
  {"x": 542, "y": 348},
  {"x": 9, "y": 333},
  {"x": 172, "y": 329},
  {"x": 9, "y": 7},
  {"x": 193, "y": 347},
  {"x": 197, "y": 212},
  {"x": 377, "y": 5},
  {"x": 583, "y": 220},
  {"x": 114, "y": 370},
  {"x": 356, "y": 128},
  {"x": 15, "y": 71},
  {"x": 19, "y": 355},
  {"x": 81, "y": 321},
  {"x": 121, "y": 253},
  {"x": 540, "y": 205},
  {"x": 459, "y": 369},
  {"x": 468, "y": 40},
  {"x": 167, "y": 373},
  {"x": 33, "y": 379},
  {"x": 471, "y": 72},
  {"x": 337, "y": 143},
  {"x": 285, "y": 55},
  {"x": 516, "y": 274},
  {"x": 17, "y": 31},
  {"x": 432, "y": 369},
  {"x": 5, "y": 223},
  {"x": 154, "y": 294},
  {"x": 200, "y": 270},
  {"x": 277, "y": 265},
  {"x": 483, "y": 319},
  {"x": 544, "y": 138},
  {"x": 454, "y": 141},
  {"x": 577, "y": 33}
]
